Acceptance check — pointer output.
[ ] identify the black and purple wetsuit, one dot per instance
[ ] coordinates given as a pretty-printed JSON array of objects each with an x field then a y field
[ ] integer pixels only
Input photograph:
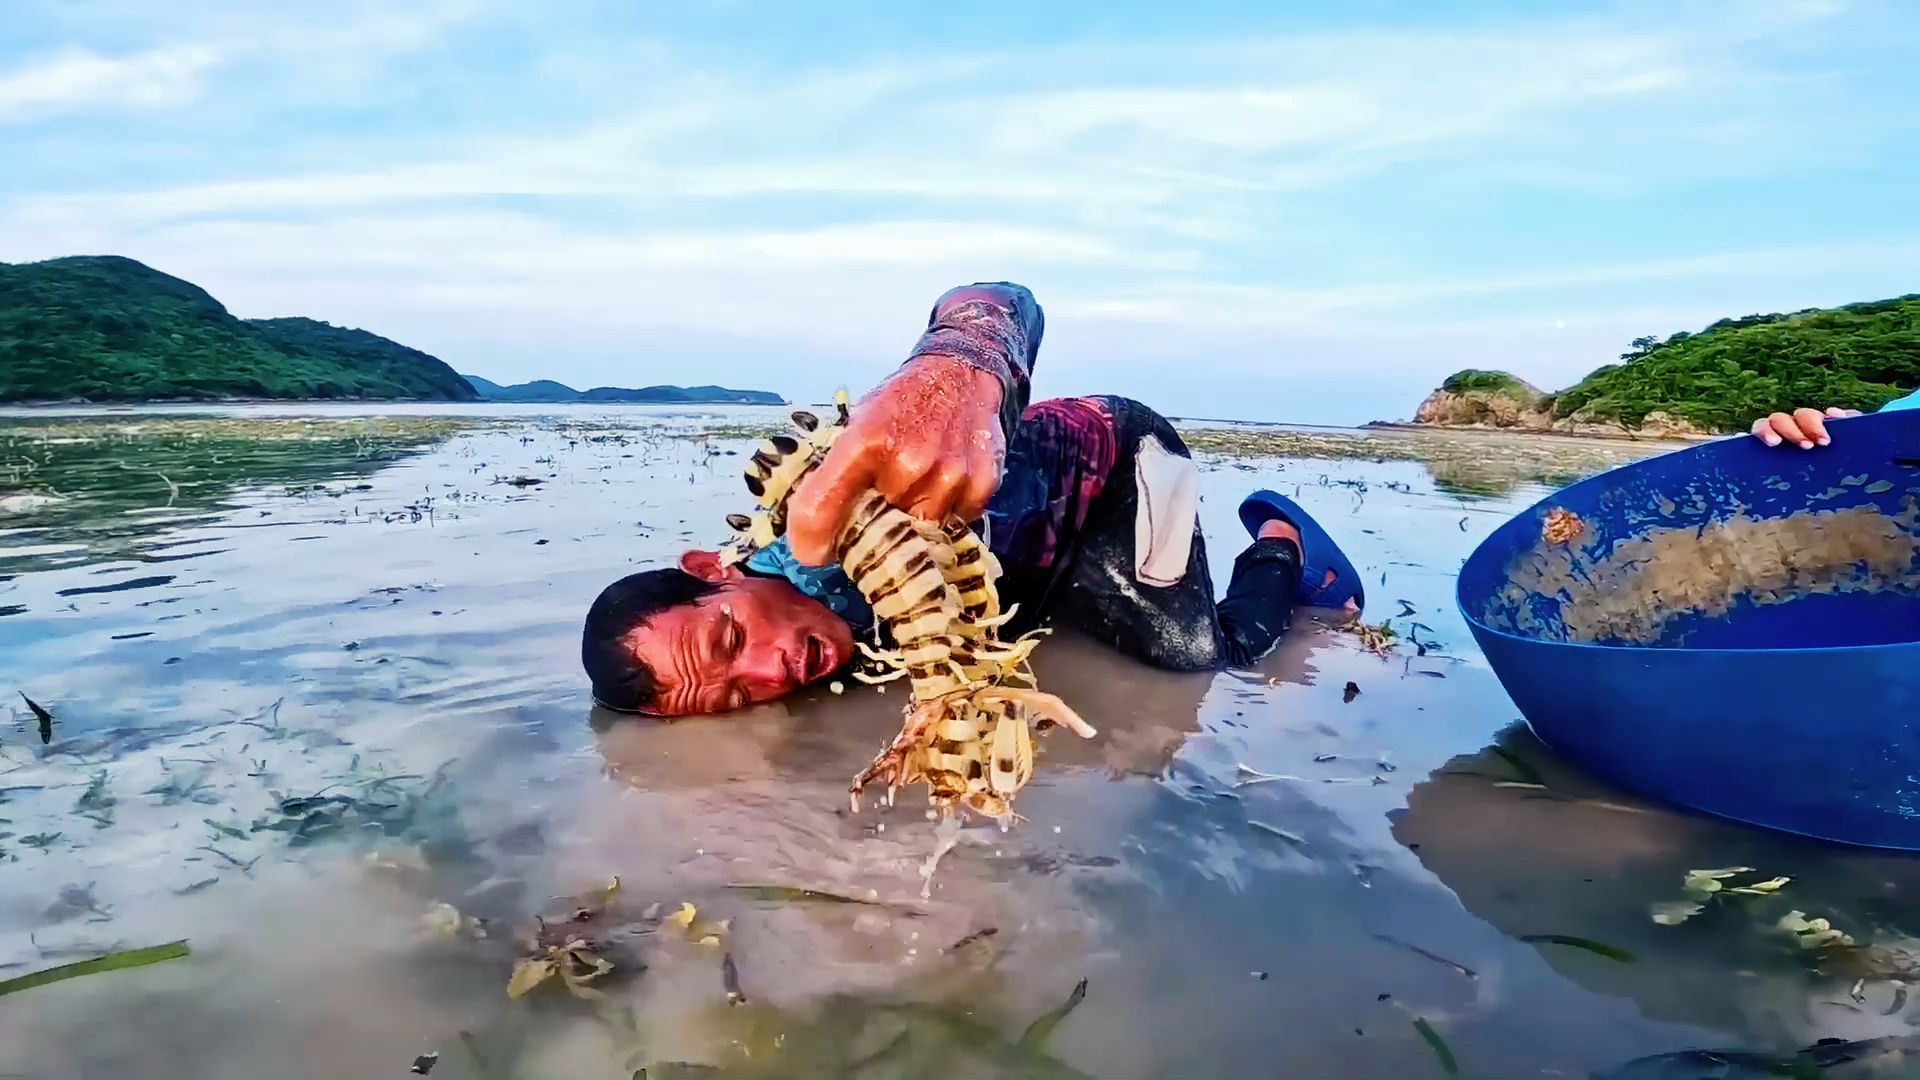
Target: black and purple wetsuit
[{"x": 1093, "y": 523}]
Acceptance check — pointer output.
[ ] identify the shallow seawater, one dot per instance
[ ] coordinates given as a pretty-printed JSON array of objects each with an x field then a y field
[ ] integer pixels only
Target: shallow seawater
[{"x": 317, "y": 709}]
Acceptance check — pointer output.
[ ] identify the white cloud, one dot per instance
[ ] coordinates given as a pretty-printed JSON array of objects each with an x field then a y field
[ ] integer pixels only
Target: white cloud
[
  {"x": 1237, "y": 199},
  {"x": 78, "y": 79}
]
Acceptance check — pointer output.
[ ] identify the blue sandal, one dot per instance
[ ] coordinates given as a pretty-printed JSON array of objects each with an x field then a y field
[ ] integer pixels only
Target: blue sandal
[{"x": 1321, "y": 554}]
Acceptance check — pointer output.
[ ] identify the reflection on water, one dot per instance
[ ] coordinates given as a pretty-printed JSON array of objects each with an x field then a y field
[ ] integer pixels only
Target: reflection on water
[
  {"x": 345, "y": 750},
  {"x": 1487, "y": 823},
  {"x": 88, "y": 491}
]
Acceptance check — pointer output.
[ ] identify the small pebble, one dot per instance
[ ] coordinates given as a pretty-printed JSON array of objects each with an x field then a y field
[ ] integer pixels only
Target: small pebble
[
  {"x": 837, "y": 686},
  {"x": 1056, "y": 828}
]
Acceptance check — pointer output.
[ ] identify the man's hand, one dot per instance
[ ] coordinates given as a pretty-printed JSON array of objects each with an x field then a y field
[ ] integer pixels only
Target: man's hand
[
  {"x": 1805, "y": 428},
  {"x": 928, "y": 439}
]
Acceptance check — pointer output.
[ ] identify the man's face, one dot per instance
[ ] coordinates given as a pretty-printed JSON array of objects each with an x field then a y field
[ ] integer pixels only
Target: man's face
[{"x": 751, "y": 640}]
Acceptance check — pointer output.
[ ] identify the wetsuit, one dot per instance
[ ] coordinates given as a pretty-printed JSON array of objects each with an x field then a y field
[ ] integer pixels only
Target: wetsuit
[{"x": 1094, "y": 521}]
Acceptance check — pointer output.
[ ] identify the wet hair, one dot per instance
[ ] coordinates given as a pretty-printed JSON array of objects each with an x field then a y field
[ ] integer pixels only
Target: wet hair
[{"x": 620, "y": 680}]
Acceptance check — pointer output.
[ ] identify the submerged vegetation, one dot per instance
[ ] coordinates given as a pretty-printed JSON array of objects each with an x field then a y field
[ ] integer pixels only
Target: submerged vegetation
[
  {"x": 118, "y": 961},
  {"x": 105, "y": 328},
  {"x": 100, "y": 483}
]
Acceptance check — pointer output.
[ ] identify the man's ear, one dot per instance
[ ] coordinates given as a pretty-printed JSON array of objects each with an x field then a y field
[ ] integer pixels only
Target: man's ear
[{"x": 705, "y": 565}]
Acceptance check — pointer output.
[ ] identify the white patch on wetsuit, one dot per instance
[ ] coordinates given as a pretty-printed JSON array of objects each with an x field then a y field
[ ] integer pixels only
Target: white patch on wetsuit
[{"x": 1168, "y": 487}]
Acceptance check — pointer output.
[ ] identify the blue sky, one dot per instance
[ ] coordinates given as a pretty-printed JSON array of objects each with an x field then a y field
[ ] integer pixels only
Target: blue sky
[{"x": 1304, "y": 212}]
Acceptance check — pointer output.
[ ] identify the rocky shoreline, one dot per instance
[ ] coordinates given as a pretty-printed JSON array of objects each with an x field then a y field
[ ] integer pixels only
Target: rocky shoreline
[{"x": 1496, "y": 401}]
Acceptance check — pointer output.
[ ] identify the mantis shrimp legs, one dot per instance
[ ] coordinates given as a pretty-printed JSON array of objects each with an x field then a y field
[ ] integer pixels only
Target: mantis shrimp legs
[{"x": 967, "y": 733}]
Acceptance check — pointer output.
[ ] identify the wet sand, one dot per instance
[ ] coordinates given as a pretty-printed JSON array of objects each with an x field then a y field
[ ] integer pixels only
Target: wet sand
[{"x": 373, "y": 617}]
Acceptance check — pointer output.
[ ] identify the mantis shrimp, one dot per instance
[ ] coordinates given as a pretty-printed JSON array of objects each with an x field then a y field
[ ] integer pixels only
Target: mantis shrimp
[{"x": 967, "y": 732}]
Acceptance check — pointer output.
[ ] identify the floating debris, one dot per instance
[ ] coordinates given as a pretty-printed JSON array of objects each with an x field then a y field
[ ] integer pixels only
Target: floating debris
[
  {"x": 730, "y": 981},
  {"x": 41, "y": 714},
  {"x": 1675, "y": 912},
  {"x": 444, "y": 920},
  {"x": 1704, "y": 887},
  {"x": 117, "y": 961},
  {"x": 95, "y": 804},
  {"x": 573, "y": 961},
  {"x": 424, "y": 1064},
  {"x": 1352, "y": 691},
  {"x": 1761, "y": 888},
  {"x": 75, "y": 901},
  {"x": 1460, "y": 968},
  {"x": 1275, "y": 830},
  {"x": 1376, "y": 639},
  {"x": 1250, "y": 776},
  {"x": 1813, "y": 934},
  {"x": 973, "y": 939}
]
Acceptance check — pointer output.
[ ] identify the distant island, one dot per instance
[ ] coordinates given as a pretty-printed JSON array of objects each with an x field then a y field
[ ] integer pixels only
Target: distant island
[
  {"x": 1859, "y": 356},
  {"x": 106, "y": 328},
  {"x": 544, "y": 391}
]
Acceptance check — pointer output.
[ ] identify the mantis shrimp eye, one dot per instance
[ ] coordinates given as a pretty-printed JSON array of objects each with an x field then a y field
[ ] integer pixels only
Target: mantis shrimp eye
[
  {"x": 786, "y": 444},
  {"x": 806, "y": 421},
  {"x": 739, "y": 522}
]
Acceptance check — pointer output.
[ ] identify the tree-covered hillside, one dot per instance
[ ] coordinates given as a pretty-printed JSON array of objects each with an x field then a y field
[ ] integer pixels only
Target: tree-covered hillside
[
  {"x": 1859, "y": 357},
  {"x": 106, "y": 328}
]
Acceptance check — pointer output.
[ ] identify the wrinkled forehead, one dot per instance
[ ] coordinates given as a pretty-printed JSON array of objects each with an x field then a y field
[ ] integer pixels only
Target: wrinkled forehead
[{"x": 671, "y": 645}]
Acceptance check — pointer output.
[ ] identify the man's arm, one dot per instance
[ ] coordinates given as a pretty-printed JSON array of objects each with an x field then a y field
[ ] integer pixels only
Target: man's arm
[
  {"x": 932, "y": 437},
  {"x": 994, "y": 327}
]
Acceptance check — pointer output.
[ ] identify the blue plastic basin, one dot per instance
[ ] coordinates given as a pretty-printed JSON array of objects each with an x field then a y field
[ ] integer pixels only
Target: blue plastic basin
[{"x": 1735, "y": 629}]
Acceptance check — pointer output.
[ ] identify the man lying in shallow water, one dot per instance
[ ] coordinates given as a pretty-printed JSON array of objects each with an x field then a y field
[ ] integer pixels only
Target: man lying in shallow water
[{"x": 1090, "y": 507}]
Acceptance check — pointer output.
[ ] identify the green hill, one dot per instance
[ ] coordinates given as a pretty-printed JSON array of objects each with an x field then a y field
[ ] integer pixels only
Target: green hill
[
  {"x": 546, "y": 391},
  {"x": 106, "y": 328},
  {"x": 1860, "y": 356}
]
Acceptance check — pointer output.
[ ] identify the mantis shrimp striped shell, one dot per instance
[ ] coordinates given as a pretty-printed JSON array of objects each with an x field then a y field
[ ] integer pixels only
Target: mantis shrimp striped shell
[{"x": 966, "y": 734}]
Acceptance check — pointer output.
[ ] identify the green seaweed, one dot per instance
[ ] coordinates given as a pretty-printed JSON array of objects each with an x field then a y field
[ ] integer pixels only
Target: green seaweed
[
  {"x": 1521, "y": 766},
  {"x": 118, "y": 961},
  {"x": 1598, "y": 948},
  {"x": 1037, "y": 1032},
  {"x": 1448, "y": 1064},
  {"x": 796, "y": 894}
]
